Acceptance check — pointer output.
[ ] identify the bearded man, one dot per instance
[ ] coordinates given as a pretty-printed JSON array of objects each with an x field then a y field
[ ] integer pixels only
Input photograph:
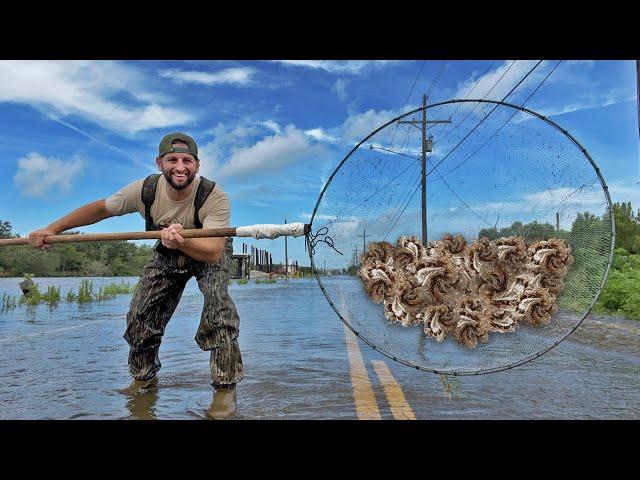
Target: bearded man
[{"x": 175, "y": 199}]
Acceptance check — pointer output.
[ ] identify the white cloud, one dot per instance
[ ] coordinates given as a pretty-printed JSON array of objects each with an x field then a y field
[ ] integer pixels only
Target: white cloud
[
  {"x": 340, "y": 89},
  {"x": 226, "y": 138},
  {"x": 273, "y": 126},
  {"x": 357, "y": 126},
  {"x": 307, "y": 216},
  {"x": 271, "y": 153},
  {"x": 87, "y": 89},
  {"x": 586, "y": 63},
  {"x": 606, "y": 99},
  {"x": 487, "y": 85},
  {"x": 320, "y": 135},
  {"x": 338, "y": 66},
  {"x": 567, "y": 196},
  {"x": 38, "y": 175},
  {"x": 547, "y": 199},
  {"x": 230, "y": 76},
  {"x": 586, "y": 92},
  {"x": 625, "y": 192}
]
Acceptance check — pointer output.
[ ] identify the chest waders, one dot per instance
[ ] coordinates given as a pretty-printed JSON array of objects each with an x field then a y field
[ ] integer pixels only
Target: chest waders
[{"x": 159, "y": 291}]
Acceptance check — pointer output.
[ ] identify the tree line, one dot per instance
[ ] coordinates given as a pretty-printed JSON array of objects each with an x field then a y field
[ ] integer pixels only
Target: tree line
[
  {"x": 91, "y": 259},
  {"x": 587, "y": 230}
]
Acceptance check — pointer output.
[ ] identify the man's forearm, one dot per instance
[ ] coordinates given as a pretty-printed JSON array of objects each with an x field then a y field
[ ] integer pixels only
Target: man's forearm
[
  {"x": 204, "y": 249},
  {"x": 85, "y": 215}
]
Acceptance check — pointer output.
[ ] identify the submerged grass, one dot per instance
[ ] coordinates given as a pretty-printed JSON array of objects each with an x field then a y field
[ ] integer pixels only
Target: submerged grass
[
  {"x": 451, "y": 386},
  {"x": 8, "y": 302},
  {"x": 52, "y": 296}
]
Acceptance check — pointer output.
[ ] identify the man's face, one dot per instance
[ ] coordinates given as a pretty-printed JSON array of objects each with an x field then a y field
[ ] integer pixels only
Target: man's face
[{"x": 179, "y": 169}]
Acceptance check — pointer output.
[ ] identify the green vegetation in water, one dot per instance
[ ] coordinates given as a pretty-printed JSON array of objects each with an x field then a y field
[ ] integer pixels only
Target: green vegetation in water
[
  {"x": 266, "y": 280},
  {"x": 8, "y": 302},
  {"x": 242, "y": 281},
  {"x": 451, "y": 386},
  {"x": 85, "y": 291},
  {"x": 108, "y": 292},
  {"x": 52, "y": 296},
  {"x": 36, "y": 297},
  {"x": 33, "y": 297}
]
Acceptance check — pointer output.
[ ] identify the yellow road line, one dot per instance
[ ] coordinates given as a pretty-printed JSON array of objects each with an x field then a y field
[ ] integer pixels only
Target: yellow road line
[
  {"x": 397, "y": 401},
  {"x": 366, "y": 405}
]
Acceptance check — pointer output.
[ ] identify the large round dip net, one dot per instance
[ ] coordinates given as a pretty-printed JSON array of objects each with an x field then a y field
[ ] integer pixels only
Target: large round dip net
[{"x": 485, "y": 258}]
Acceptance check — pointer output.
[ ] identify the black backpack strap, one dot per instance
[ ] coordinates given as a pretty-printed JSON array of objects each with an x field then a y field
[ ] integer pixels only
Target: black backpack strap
[
  {"x": 148, "y": 196},
  {"x": 204, "y": 190}
]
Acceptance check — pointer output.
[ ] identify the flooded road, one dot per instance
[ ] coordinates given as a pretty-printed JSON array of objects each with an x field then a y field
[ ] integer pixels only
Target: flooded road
[{"x": 68, "y": 361}]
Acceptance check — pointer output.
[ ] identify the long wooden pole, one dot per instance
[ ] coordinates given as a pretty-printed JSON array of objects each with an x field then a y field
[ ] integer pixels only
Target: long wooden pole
[{"x": 104, "y": 237}]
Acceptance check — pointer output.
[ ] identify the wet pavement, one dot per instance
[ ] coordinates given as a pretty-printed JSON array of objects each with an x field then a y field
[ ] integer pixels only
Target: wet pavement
[{"x": 68, "y": 361}]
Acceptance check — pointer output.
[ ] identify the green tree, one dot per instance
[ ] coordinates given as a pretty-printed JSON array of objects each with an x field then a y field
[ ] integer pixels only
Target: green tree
[
  {"x": 5, "y": 229},
  {"x": 627, "y": 227}
]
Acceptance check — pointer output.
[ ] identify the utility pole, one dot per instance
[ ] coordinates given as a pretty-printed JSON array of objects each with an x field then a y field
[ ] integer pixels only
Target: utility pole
[
  {"x": 364, "y": 240},
  {"x": 286, "y": 258},
  {"x": 427, "y": 146}
]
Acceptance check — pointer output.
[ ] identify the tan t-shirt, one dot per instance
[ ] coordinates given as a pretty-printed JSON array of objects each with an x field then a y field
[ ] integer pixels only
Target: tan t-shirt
[{"x": 214, "y": 213}]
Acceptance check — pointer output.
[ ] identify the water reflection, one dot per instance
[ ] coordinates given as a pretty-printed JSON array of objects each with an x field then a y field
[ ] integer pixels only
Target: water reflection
[{"x": 143, "y": 406}]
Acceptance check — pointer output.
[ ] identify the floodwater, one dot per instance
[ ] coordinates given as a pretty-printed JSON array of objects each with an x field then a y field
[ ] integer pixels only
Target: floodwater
[{"x": 67, "y": 362}]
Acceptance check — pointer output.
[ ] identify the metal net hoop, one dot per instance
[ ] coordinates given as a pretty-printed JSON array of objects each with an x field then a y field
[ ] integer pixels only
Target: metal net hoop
[{"x": 577, "y": 183}]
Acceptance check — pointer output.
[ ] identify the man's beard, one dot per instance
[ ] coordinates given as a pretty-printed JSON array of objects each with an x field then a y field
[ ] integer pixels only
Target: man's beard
[{"x": 190, "y": 178}]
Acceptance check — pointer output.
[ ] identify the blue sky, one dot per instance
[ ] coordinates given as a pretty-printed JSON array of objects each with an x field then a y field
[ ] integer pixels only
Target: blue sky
[{"x": 270, "y": 132}]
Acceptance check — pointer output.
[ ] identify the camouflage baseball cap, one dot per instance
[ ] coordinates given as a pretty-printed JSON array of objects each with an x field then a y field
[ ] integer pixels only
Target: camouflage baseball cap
[{"x": 167, "y": 147}]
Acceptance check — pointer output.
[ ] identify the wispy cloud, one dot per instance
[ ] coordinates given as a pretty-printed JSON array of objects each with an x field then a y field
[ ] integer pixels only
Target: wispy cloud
[
  {"x": 587, "y": 93},
  {"x": 340, "y": 89},
  {"x": 88, "y": 89},
  {"x": 230, "y": 76},
  {"x": 496, "y": 83},
  {"x": 339, "y": 66},
  {"x": 605, "y": 99},
  {"x": 38, "y": 175},
  {"x": 121, "y": 151}
]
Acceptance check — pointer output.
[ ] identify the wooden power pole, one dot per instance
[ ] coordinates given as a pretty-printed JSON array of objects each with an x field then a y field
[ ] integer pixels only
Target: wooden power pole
[{"x": 427, "y": 146}]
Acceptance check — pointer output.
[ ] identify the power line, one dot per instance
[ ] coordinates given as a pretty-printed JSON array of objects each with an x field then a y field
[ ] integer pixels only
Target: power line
[
  {"x": 444, "y": 181},
  {"x": 435, "y": 166},
  {"x": 433, "y": 84},
  {"x": 390, "y": 229},
  {"x": 471, "y": 90},
  {"x": 508, "y": 120},
  {"x": 407, "y": 100},
  {"x": 487, "y": 116},
  {"x": 446, "y": 134},
  {"x": 437, "y": 77}
]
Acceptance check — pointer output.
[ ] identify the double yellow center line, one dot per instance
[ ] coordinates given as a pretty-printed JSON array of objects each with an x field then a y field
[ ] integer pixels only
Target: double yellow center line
[{"x": 365, "y": 400}]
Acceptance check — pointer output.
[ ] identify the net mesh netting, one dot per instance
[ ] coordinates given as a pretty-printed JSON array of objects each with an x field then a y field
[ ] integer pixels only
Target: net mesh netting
[{"x": 495, "y": 171}]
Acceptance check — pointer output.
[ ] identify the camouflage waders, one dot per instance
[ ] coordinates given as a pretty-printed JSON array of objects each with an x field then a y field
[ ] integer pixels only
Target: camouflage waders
[{"x": 157, "y": 296}]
